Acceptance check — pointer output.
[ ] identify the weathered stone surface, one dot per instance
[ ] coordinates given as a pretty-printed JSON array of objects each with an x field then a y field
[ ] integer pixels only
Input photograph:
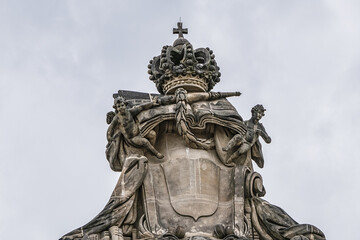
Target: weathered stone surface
[{"x": 186, "y": 161}]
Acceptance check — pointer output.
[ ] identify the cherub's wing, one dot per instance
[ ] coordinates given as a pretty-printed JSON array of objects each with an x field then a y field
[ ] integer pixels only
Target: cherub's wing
[
  {"x": 257, "y": 155},
  {"x": 109, "y": 117}
]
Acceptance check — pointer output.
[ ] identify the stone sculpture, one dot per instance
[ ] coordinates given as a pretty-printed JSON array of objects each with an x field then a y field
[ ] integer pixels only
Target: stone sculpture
[
  {"x": 123, "y": 125},
  {"x": 246, "y": 142},
  {"x": 185, "y": 157}
]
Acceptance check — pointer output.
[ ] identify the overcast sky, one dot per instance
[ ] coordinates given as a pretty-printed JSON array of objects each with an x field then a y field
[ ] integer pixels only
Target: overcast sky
[{"x": 61, "y": 61}]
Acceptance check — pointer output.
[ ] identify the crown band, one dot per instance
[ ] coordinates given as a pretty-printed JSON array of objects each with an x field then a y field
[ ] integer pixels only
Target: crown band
[{"x": 189, "y": 83}]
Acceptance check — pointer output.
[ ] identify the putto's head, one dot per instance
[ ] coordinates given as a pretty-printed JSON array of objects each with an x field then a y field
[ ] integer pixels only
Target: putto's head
[
  {"x": 120, "y": 105},
  {"x": 258, "y": 108},
  {"x": 258, "y": 111}
]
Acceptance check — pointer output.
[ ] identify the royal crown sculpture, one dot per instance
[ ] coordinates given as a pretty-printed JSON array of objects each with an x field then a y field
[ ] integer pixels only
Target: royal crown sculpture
[
  {"x": 181, "y": 65},
  {"x": 185, "y": 158}
]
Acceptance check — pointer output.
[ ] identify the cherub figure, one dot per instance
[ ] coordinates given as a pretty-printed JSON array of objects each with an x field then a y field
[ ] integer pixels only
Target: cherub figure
[
  {"x": 254, "y": 130},
  {"x": 123, "y": 123}
]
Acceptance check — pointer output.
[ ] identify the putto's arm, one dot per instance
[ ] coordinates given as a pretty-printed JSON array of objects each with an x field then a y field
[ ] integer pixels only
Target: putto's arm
[
  {"x": 264, "y": 134},
  {"x": 139, "y": 108}
]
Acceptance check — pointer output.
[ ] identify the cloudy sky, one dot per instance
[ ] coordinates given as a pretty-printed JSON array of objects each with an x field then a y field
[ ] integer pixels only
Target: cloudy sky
[{"x": 61, "y": 61}]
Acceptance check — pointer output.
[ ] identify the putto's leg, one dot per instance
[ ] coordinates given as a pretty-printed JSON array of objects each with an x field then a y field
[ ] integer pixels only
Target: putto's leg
[
  {"x": 244, "y": 148},
  {"x": 233, "y": 156},
  {"x": 152, "y": 137},
  {"x": 235, "y": 140},
  {"x": 141, "y": 141}
]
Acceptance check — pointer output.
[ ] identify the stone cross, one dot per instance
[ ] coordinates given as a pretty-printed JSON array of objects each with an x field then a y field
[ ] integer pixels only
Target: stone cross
[{"x": 180, "y": 30}]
